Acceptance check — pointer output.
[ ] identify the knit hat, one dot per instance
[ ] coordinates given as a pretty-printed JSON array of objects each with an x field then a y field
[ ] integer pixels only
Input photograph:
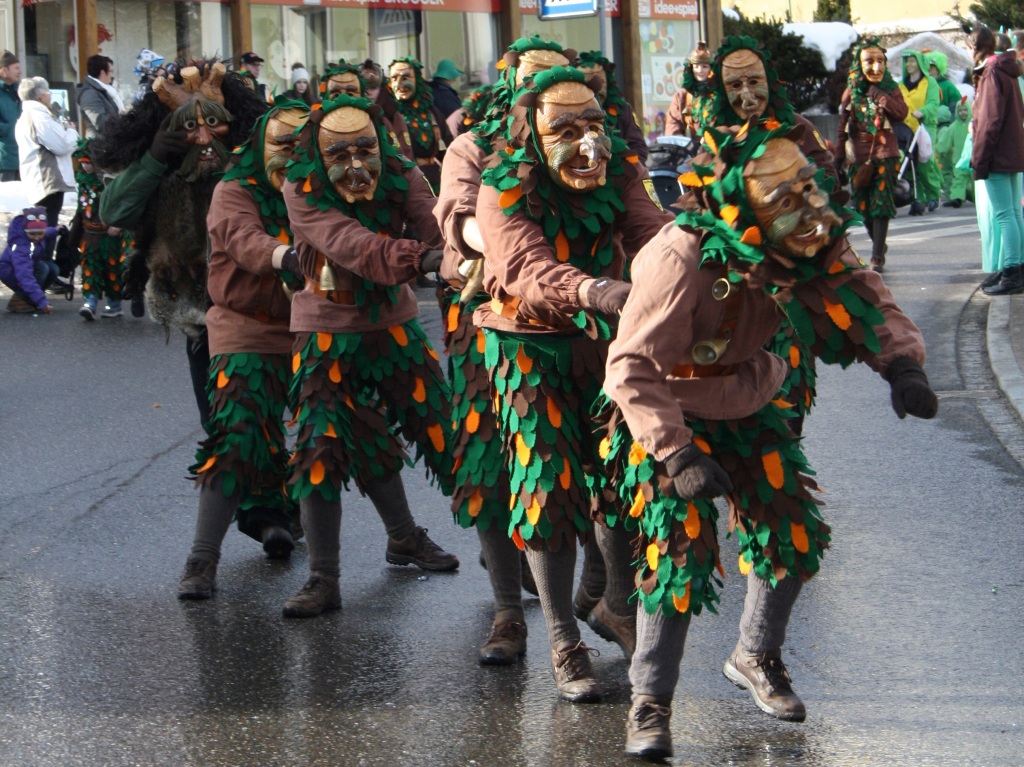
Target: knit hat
[
  {"x": 7, "y": 58},
  {"x": 35, "y": 218},
  {"x": 446, "y": 70},
  {"x": 146, "y": 62},
  {"x": 298, "y": 74}
]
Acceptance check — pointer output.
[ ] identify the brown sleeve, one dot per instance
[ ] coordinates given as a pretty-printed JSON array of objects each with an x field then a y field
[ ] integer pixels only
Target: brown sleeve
[
  {"x": 460, "y": 186},
  {"x": 675, "y": 121},
  {"x": 419, "y": 209},
  {"x": 814, "y": 148},
  {"x": 521, "y": 262},
  {"x": 643, "y": 217},
  {"x": 236, "y": 228},
  {"x": 987, "y": 119},
  {"x": 653, "y": 337},
  {"x": 892, "y": 103},
  {"x": 843, "y": 132},
  {"x": 349, "y": 244},
  {"x": 632, "y": 133}
]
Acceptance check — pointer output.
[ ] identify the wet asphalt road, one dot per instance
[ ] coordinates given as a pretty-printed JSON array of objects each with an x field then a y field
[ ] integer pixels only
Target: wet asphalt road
[{"x": 905, "y": 648}]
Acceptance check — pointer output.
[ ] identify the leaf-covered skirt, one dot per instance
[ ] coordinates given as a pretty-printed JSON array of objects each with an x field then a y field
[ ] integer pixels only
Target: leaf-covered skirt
[
  {"x": 776, "y": 519},
  {"x": 102, "y": 264},
  {"x": 357, "y": 397},
  {"x": 876, "y": 199},
  {"x": 544, "y": 388}
]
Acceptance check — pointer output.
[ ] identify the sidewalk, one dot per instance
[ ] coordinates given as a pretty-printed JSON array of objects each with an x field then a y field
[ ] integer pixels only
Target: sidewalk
[{"x": 1005, "y": 341}]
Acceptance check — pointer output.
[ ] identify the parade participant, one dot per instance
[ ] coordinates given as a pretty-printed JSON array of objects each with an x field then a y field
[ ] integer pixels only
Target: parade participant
[
  {"x": 961, "y": 182},
  {"x": 102, "y": 257},
  {"x": 687, "y": 100},
  {"x": 169, "y": 151},
  {"x": 427, "y": 126},
  {"x": 557, "y": 211},
  {"x": 365, "y": 80},
  {"x": 24, "y": 267},
  {"x": 922, "y": 96},
  {"x": 481, "y": 492},
  {"x": 242, "y": 465},
  {"x": 698, "y": 410},
  {"x": 621, "y": 116},
  {"x": 473, "y": 110},
  {"x": 938, "y": 66},
  {"x": 250, "y": 65},
  {"x": 871, "y": 104},
  {"x": 364, "y": 372}
]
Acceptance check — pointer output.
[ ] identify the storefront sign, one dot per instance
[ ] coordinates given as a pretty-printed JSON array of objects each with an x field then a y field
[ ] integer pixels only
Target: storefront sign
[
  {"x": 566, "y": 9},
  {"x": 686, "y": 10},
  {"x": 611, "y": 8},
  {"x": 460, "y": 6}
]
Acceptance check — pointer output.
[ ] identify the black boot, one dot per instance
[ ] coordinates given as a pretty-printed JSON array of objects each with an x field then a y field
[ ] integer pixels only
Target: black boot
[
  {"x": 1011, "y": 283},
  {"x": 992, "y": 279},
  {"x": 878, "y": 246}
]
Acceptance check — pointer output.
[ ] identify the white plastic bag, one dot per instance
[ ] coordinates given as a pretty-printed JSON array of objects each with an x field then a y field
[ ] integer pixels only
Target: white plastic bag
[{"x": 924, "y": 145}]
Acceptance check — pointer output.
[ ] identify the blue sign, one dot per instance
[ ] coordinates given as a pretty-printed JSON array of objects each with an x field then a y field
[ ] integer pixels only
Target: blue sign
[{"x": 565, "y": 9}]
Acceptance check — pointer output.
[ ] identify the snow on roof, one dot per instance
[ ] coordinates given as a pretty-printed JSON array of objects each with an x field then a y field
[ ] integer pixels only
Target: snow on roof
[
  {"x": 830, "y": 38},
  {"x": 732, "y": 13}
]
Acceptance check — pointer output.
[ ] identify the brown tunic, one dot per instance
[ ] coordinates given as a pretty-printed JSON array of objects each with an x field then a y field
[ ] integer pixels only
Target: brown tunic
[
  {"x": 853, "y": 129},
  {"x": 460, "y": 186},
  {"x": 521, "y": 268},
  {"x": 671, "y": 308},
  {"x": 250, "y": 311},
  {"x": 357, "y": 253},
  {"x": 678, "y": 118},
  {"x": 631, "y": 131}
]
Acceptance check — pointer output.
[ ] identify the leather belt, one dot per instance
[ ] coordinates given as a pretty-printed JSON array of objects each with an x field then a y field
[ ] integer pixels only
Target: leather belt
[
  {"x": 702, "y": 371},
  {"x": 425, "y": 161}
]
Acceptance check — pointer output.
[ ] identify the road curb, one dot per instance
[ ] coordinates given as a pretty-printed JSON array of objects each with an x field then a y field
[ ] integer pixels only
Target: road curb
[{"x": 1000, "y": 353}]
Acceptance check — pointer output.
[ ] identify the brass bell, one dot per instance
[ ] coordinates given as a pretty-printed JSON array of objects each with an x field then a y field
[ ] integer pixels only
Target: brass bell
[
  {"x": 720, "y": 289},
  {"x": 327, "y": 277},
  {"x": 709, "y": 352}
]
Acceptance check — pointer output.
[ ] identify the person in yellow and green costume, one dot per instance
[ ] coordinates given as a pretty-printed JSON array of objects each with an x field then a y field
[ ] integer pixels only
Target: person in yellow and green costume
[
  {"x": 938, "y": 66},
  {"x": 102, "y": 254},
  {"x": 684, "y": 429},
  {"x": 922, "y": 95},
  {"x": 366, "y": 379}
]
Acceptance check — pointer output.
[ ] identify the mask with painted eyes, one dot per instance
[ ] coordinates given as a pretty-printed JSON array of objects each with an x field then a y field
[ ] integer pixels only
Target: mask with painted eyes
[
  {"x": 206, "y": 124},
  {"x": 570, "y": 129},
  {"x": 872, "y": 64},
  {"x": 345, "y": 82},
  {"x": 279, "y": 140},
  {"x": 351, "y": 153},
  {"x": 787, "y": 203},
  {"x": 402, "y": 77},
  {"x": 745, "y": 83}
]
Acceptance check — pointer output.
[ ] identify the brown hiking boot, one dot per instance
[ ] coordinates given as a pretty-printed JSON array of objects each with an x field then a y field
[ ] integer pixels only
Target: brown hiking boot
[
  {"x": 583, "y": 603},
  {"x": 620, "y": 629},
  {"x": 419, "y": 550},
  {"x": 766, "y": 678},
  {"x": 318, "y": 594},
  {"x": 647, "y": 731},
  {"x": 574, "y": 676},
  {"x": 199, "y": 580},
  {"x": 505, "y": 645},
  {"x": 18, "y": 305}
]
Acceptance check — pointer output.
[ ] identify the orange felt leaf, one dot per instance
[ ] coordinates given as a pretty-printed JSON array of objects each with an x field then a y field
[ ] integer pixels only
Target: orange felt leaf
[
  {"x": 433, "y": 353},
  {"x": 613, "y": 111},
  {"x": 636, "y": 454},
  {"x": 807, "y": 398},
  {"x": 794, "y": 356},
  {"x": 510, "y": 197},
  {"x": 436, "y": 437},
  {"x": 718, "y": 566},
  {"x": 523, "y": 361},
  {"x": 633, "y": 159},
  {"x": 500, "y": 64},
  {"x": 222, "y": 380},
  {"x": 533, "y": 513},
  {"x": 453, "y": 318},
  {"x": 682, "y": 603},
  {"x": 296, "y": 362},
  {"x": 692, "y": 522},
  {"x": 561, "y": 247},
  {"x": 604, "y": 448},
  {"x": 331, "y": 432},
  {"x": 554, "y": 414},
  {"x": 522, "y": 451},
  {"x": 752, "y": 236},
  {"x": 771, "y": 123},
  {"x": 565, "y": 478},
  {"x": 111, "y": 276},
  {"x": 472, "y": 421},
  {"x": 517, "y": 539},
  {"x": 702, "y": 444},
  {"x": 323, "y": 341},
  {"x": 799, "y": 534},
  {"x": 209, "y": 462},
  {"x": 772, "y": 463},
  {"x": 335, "y": 372},
  {"x": 690, "y": 179},
  {"x": 476, "y": 501},
  {"x": 481, "y": 341},
  {"x": 638, "y": 504},
  {"x": 881, "y": 185},
  {"x": 456, "y": 464},
  {"x": 781, "y": 403},
  {"x": 836, "y": 267},
  {"x": 710, "y": 141},
  {"x": 838, "y": 313},
  {"x": 398, "y": 332},
  {"x": 419, "y": 391},
  {"x": 283, "y": 237},
  {"x": 729, "y": 214},
  {"x": 652, "y": 556},
  {"x": 316, "y": 472},
  {"x": 744, "y": 565},
  {"x": 348, "y": 401},
  {"x": 307, "y": 187}
]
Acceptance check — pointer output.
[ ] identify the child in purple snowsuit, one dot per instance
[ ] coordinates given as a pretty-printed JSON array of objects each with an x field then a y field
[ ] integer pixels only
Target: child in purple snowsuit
[{"x": 23, "y": 265}]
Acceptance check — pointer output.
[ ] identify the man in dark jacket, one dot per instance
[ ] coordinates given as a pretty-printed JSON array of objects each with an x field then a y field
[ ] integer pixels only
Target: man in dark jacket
[
  {"x": 10, "y": 111},
  {"x": 96, "y": 96},
  {"x": 446, "y": 98}
]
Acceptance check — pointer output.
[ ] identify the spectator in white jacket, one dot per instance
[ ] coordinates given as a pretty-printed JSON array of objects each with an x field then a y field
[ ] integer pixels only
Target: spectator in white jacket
[{"x": 45, "y": 145}]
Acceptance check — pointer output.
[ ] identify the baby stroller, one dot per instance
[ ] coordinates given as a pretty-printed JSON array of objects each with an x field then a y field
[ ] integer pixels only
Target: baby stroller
[
  {"x": 668, "y": 158},
  {"x": 905, "y": 191},
  {"x": 67, "y": 256}
]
